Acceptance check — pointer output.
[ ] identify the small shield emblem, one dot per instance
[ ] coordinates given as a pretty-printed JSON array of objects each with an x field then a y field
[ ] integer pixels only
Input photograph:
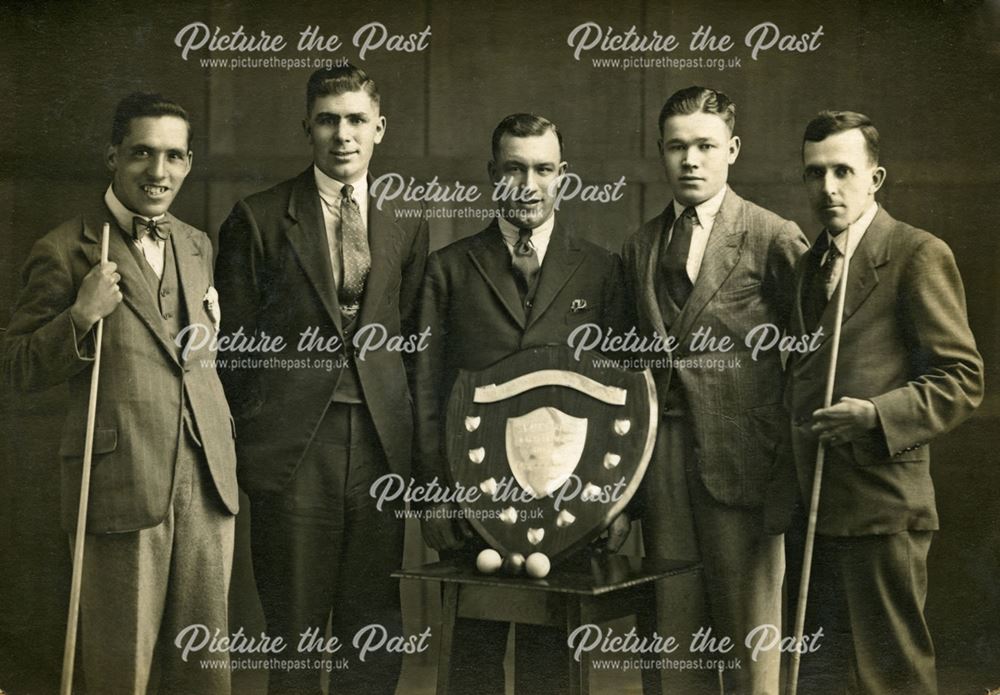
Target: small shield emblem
[{"x": 543, "y": 448}]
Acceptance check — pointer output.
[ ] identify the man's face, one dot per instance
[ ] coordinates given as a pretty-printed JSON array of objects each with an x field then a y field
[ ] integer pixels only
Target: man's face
[
  {"x": 343, "y": 130},
  {"x": 150, "y": 163},
  {"x": 840, "y": 178},
  {"x": 530, "y": 168},
  {"x": 697, "y": 150}
]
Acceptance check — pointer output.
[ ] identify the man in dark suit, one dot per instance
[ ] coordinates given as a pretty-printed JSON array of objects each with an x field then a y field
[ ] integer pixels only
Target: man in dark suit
[
  {"x": 159, "y": 538},
  {"x": 523, "y": 282},
  {"x": 715, "y": 265},
  {"x": 314, "y": 257},
  {"x": 908, "y": 370}
]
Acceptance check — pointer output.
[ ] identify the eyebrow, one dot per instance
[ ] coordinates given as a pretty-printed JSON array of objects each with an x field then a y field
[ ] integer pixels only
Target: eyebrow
[
  {"x": 146, "y": 146},
  {"x": 333, "y": 114},
  {"x": 696, "y": 140}
]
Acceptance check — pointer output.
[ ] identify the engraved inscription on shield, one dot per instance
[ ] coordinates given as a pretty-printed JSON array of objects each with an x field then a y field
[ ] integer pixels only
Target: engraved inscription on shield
[{"x": 543, "y": 448}]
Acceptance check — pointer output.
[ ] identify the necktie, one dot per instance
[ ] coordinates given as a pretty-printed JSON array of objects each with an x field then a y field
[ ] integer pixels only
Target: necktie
[
  {"x": 674, "y": 265},
  {"x": 525, "y": 265},
  {"x": 157, "y": 229},
  {"x": 824, "y": 280},
  {"x": 355, "y": 256},
  {"x": 831, "y": 270}
]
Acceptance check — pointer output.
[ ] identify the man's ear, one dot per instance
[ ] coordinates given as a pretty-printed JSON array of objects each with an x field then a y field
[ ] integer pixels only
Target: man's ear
[
  {"x": 659, "y": 146},
  {"x": 307, "y": 129},
  {"x": 379, "y": 129},
  {"x": 111, "y": 158},
  {"x": 878, "y": 178},
  {"x": 734, "y": 148},
  {"x": 491, "y": 169}
]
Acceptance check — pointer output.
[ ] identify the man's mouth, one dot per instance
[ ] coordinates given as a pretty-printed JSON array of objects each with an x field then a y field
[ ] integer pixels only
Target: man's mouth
[
  {"x": 691, "y": 179},
  {"x": 154, "y": 191},
  {"x": 345, "y": 155}
]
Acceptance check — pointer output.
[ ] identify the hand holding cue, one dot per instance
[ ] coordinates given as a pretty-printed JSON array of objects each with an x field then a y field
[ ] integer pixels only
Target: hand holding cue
[{"x": 69, "y": 652}]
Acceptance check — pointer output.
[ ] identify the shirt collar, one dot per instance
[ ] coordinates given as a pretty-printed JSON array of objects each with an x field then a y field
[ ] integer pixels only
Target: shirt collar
[
  {"x": 511, "y": 233},
  {"x": 329, "y": 187},
  {"x": 123, "y": 216},
  {"x": 707, "y": 210},
  {"x": 854, "y": 232}
]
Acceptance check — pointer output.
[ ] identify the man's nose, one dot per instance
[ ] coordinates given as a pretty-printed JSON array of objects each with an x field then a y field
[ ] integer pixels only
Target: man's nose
[
  {"x": 343, "y": 132},
  {"x": 157, "y": 166},
  {"x": 829, "y": 182},
  {"x": 529, "y": 181},
  {"x": 692, "y": 157}
]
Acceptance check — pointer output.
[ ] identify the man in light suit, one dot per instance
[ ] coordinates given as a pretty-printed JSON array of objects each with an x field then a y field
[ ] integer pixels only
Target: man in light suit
[
  {"x": 714, "y": 262},
  {"x": 315, "y": 254},
  {"x": 523, "y": 282},
  {"x": 163, "y": 493},
  {"x": 908, "y": 370}
]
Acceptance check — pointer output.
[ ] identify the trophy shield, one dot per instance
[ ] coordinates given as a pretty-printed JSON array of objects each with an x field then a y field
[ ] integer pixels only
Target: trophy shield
[{"x": 553, "y": 447}]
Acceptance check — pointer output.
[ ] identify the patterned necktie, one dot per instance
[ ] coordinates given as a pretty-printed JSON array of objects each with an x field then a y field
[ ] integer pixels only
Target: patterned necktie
[
  {"x": 674, "y": 264},
  {"x": 823, "y": 282},
  {"x": 355, "y": 256},
  {"x": 156, "y": 229},
  {"x": 831, "y": 269},
  {"x": 525, "y": 265}
]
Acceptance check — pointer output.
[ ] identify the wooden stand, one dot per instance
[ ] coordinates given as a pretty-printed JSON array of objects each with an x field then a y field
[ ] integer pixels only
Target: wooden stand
[{"x": 595, "y": 590}]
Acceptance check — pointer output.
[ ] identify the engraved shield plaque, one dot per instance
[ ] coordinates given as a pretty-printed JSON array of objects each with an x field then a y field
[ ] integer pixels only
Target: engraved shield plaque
[{"x": 552, "y": 448}]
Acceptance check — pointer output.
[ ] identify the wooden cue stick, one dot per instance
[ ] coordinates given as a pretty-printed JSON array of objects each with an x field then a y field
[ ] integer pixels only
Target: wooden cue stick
[
  {"x": 69, "y": 652},
  {"x": 831, "y": 375}
]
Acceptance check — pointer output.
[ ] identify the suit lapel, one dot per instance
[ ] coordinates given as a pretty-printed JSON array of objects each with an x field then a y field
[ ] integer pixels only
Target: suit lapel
[
  {"x": 722, "y": 252},
  {"x": 492, "y": 260},
  {"x": 384, "y": 237},
  {"x": 187, "y": 255},
  {"x": 652, "y": 238},
  {"x": 562, "y": 257},
  {"x": 862, "y": 277},
  {"x": 307, "y": 235},
  {"x": 136, "y": 293},
  {"x": 801, "y": 271}
]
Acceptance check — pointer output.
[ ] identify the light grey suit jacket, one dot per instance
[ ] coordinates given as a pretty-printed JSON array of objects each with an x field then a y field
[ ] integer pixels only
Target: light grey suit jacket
[
  {"x": 746, "y": 279},
  {"x": 905, "y": 345},
  {"x": 144, "y": 381}
]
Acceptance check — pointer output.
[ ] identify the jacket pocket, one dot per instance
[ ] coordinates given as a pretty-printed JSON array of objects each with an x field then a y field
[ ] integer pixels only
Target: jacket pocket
[
  {"x": 871, "y": 450},
  {"x": 738, "y": 293},
  {"x": 105, "y": 441}
]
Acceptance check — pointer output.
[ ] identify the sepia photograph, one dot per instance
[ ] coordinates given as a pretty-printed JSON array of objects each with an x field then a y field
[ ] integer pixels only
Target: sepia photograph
[{"x": 517, "y": 348}]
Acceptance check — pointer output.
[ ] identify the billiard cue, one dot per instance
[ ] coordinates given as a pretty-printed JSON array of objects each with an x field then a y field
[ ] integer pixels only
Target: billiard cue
[
  {"x": 831, "y": 375},
  {"x": 69, "y": 652}
]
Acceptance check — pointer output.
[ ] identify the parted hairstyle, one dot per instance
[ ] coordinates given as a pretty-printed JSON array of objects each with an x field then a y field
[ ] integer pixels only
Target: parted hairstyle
[
  {"x": 332, "y": 81},
  {"x": 696, "y": 99},
  {"x": 523, "y": 125},
  {"x": 142, "y": 105},
  {"x": 827, "y": 123}
]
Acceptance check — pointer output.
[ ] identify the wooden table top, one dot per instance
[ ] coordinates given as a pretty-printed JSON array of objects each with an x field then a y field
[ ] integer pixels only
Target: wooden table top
[{"x": 587, "y": 573}]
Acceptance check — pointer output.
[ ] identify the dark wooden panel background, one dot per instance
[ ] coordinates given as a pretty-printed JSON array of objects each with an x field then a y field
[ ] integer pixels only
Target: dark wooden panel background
[{"x": 926, "y": 71}]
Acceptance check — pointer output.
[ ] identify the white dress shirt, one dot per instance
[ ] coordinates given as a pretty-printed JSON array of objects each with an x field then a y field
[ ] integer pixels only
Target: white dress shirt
[
  {"x": 707, "y": 212},
  {"x": 152, "y": 248},
  {"x": 540, "y": 236}
]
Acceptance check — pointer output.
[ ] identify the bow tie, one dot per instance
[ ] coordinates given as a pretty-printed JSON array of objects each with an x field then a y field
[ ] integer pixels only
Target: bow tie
[{"x": 158, "y": 229}]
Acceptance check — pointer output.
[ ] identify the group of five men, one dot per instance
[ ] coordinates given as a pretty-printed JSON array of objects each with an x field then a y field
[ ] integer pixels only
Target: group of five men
[{"x": 315, "y": 252}]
